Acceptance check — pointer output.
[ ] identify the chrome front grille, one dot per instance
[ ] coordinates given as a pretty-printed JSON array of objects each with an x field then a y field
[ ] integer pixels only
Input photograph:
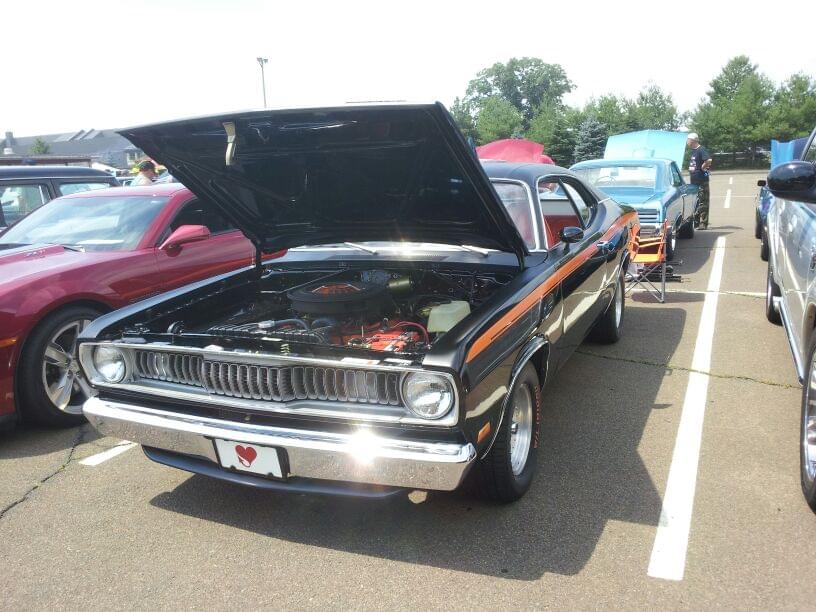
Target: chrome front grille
[
  {"x": 271, "y": 383},
  {"x": 648, "y": 216}
]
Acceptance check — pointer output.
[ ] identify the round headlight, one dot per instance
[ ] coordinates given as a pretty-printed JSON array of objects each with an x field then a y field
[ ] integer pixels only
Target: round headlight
[
  {"x": 110, "y": 363},
  {"x": 427, "y": 395}
]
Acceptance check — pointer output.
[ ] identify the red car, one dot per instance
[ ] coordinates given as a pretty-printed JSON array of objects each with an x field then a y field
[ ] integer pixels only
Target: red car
[{"x": 83, "y": 255}]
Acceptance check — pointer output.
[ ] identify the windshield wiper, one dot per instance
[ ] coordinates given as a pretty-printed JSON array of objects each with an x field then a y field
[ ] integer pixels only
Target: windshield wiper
[{"x": 73, "y": 247}]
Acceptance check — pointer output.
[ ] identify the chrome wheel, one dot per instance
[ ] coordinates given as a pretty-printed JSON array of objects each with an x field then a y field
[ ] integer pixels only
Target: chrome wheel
[
  {"x": 809, "y": 426},
  {"x": 618, "y": 304},
  {"x": 521, "y": 428},
  {"x": 62, "y": 377}
]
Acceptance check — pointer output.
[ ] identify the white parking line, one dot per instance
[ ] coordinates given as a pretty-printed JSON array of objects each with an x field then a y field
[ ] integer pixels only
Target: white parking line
[
  {"x": 668, "y": 559},
  {"x": 727, "y": 199},
  {"x": 120, "y": 448},
  {"x": 730, "y": 180}
]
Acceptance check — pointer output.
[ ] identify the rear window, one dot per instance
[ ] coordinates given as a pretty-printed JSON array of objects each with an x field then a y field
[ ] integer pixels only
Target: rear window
[{"x": 69, "y": 188}]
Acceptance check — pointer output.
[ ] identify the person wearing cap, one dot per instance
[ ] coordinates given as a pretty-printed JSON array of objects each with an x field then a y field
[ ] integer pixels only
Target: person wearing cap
[
  {"x": 147, "y": 174},
  {"x": 699, "y": 164}
]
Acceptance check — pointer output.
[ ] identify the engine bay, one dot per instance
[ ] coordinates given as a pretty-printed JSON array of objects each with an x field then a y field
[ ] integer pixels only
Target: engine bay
[{"x": 392, "y": 311}]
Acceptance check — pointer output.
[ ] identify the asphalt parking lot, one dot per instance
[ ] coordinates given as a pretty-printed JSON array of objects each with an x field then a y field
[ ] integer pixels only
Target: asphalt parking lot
[{"x": 614, "y": 519}]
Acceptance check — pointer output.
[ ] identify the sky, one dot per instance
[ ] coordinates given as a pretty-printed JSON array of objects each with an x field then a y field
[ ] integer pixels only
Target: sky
[{"x": 67, "y": 66}]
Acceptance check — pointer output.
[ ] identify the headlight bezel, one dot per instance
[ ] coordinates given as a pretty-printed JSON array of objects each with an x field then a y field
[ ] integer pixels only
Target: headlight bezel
[
  {"x": 444, "y": 386},
  {"x": 89, "y": 359}
]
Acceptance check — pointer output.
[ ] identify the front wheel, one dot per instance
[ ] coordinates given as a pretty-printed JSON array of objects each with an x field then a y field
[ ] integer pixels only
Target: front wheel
[
  {"x": 507, "y": 471},
  {"x": 764, "y": 247},
  {"x": 686, "y": 231},
  {"x": 671, "y": 244},
  {"x": 807, "y": 449},
  {"x": 51, "y": 384}
]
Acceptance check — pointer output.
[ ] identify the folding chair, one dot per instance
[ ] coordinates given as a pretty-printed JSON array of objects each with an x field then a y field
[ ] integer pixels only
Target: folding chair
[{"x": 650, "y": 261}]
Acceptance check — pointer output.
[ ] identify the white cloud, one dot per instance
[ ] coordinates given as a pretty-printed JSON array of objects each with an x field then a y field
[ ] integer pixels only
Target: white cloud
[{"x": 100, "y": 64}]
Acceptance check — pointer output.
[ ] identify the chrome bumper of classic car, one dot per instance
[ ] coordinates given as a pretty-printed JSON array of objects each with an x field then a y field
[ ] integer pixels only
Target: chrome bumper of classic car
[{"x": 361, "y": 457}]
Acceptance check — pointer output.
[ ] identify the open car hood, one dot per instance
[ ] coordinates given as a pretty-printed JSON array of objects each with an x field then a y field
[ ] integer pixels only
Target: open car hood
[{"x": 300, "y": 177}]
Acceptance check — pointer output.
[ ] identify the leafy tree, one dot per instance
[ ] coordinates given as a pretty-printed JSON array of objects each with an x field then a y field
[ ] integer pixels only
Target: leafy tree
[
  {"x": 464, "y": 118},
  {"x": 525, "y": 82},
  {"x": 40, "y": 147},
  {"x": 793, "y": 113},
  {"x": 556, "y": 127},
  {"x": 591, "y": 140},
  {"x": 653, "y": 110},
  {"x": 726, "y": 84},
  {"x": 612, "y": 111},
  {"x": 497, "y": 119}
]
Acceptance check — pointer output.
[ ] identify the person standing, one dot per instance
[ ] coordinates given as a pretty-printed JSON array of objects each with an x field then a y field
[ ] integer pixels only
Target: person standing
[
  {"x": 699, "y": 165},
  {"x": 147, "y": 174}
]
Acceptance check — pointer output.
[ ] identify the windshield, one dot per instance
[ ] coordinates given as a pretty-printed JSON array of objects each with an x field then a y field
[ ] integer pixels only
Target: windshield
[
  {"x": 619, "y": 176},
  {"x": 115, "y": 223}
]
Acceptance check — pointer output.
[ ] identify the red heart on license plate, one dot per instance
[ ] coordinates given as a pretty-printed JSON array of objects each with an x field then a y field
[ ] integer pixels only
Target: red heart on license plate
[{"x": 246, "y": 454}]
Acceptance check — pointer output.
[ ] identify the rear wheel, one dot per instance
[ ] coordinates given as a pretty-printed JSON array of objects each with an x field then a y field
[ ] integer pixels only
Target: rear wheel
[
  {"x": 757, "y": 227},
  {"x": 764, "y": 247},
  {"x": 771, "y": 292},
  {"x": 507, "y": 471},
  {"x": 607, "y": 329},
  {"x": 51, "y": 384},
  {"x": 807, "y": 452}
]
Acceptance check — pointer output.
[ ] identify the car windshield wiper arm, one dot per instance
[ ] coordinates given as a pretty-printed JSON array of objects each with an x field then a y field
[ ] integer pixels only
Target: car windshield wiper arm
[{"x": 73, "y": 247}]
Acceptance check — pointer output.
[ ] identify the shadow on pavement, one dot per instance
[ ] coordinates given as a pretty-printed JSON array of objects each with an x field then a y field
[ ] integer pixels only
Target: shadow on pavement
[
  {"x": 30, "y": 441},
  {"x": 696, "y": 252},
  {"x": 590, "y": 472}
]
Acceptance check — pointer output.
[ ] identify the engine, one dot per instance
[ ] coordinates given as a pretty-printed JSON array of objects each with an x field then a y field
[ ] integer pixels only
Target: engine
[{"x": 376, "y": 310}]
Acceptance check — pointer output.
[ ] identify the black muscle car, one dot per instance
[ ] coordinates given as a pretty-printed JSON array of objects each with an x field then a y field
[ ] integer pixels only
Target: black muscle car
[{"x": 403, "y": 337}]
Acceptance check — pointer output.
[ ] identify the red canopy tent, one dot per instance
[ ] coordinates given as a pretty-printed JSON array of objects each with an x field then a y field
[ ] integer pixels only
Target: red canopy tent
[{"x": 514, "y": 150}]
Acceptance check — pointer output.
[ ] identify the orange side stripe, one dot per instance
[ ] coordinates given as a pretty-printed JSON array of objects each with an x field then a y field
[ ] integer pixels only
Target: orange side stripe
[
  {"x": 5, "y": 342},
  {"x": 483, "y": 341}
]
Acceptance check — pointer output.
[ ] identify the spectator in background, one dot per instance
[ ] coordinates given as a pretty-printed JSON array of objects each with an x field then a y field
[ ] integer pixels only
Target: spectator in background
[
  {"x": 147, "y": 174},
  {"x": 699, "y": 164}
]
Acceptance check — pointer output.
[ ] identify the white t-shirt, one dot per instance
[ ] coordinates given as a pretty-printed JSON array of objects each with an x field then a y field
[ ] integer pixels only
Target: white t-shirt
[{"x": 141, "y": 179}]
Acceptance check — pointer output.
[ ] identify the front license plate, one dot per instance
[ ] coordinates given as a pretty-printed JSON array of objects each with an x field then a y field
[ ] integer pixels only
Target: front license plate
[{"x": 251, "y": 458}]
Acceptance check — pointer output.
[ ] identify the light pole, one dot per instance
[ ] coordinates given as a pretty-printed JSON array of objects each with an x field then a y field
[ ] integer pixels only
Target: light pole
[{"x": 261, "y": 62}]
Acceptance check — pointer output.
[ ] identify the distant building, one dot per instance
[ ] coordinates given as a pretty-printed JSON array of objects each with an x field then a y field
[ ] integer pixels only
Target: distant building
[{"x": 101, "y": 146}]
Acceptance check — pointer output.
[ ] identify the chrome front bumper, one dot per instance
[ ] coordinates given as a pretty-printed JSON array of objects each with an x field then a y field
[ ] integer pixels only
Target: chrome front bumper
[{"x": 361, "y": 457}]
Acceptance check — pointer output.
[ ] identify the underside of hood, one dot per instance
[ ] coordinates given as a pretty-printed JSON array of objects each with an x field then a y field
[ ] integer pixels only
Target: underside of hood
[{"x": 291, "y": 178}]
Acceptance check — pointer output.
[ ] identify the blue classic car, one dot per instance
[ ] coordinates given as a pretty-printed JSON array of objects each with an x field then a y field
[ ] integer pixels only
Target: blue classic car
[
  {"x": 653, "y": 187},
  {"x": 791, "y": 287},
  {"x": 781, "y": 152}
]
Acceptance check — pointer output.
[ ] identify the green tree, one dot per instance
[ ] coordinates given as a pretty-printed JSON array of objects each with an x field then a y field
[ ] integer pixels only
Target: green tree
[
  {"x": 591, "y": 140},
  {"x": 653, "y": 109},
  {"x": 793, "y": 112},
  {"x": 556, "y": 127},
  {"x": 525, "y": 82},
  {"x": 463, "y": 116},
  {"x": 40, "y": 147},
  {"x": 726, "y": 84},
  {"x": 613, "y": 112},
  {"x": 497, "y": 119}
]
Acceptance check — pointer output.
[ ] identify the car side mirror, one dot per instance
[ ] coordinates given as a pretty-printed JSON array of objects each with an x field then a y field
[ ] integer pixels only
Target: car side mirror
[
  {"x": 185, "y": 234},
  {"x": 761, "y": 183},
  {"x": 794, "y": 180},
  {"x": 571, "y": 234}
]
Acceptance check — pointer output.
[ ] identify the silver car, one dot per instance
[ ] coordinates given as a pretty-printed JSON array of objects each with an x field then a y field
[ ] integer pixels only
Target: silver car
[{"x": 791, "y": 286}]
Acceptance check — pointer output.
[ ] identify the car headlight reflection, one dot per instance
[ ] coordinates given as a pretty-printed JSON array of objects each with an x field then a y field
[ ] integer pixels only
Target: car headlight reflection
[
  {"x": 110, "y": 363},
  {"x": 427, "y": 395}
]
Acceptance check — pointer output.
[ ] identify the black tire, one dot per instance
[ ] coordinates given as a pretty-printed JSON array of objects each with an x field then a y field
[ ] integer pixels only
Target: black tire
[
  {"x": 33, "y": 374},
  {"x": 764, "y": 247},
  {"x": 757, "y": 228},
  {"x": 772, "y": 291},
  {"x": 496, "y": 478},
  {"x": 686, "y": 231},
  {"x": 807, "y": 463},
  {"x": 607, "y": 329},
  {"x": 671, "y": 244}
]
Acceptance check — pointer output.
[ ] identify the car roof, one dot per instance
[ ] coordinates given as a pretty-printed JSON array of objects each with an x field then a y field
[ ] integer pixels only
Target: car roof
[
  {"x": 7, "y": 172},
  {"x": 647, "y": 161},
  {"x": 161, "y": 189},
  {"x": 527, "y": 171}
]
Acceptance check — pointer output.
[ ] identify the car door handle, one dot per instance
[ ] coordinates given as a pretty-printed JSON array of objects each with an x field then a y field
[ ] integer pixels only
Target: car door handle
[{"x": 605, "y": 247}]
